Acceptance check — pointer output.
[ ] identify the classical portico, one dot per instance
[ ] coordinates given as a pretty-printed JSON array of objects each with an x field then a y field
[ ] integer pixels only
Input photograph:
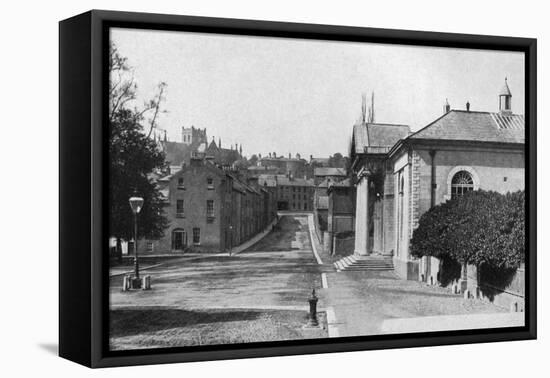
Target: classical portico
[{"x": 370, "y": 144}]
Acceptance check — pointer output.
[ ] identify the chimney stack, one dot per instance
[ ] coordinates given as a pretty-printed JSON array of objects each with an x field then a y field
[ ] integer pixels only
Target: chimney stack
[
  {"x": 447, "y": 107},
  {"x": 468, "y": 106}
]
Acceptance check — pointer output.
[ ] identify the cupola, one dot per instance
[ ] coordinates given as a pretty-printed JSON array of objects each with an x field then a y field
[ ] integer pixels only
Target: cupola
[{"x": 505, "y": 99}]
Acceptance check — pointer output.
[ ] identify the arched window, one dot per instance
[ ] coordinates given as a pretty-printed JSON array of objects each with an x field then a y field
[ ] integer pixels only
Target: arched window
[{"x": 461, "y": 183}]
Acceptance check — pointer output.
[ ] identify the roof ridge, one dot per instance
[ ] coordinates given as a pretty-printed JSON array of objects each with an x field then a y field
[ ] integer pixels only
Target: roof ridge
[
  {"x": 429, "y": 124},
  {"x": 387, "y": 124}
]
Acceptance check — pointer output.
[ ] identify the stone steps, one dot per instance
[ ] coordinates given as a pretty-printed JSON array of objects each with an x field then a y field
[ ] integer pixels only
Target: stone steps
[{"x": 363, "y": 263}]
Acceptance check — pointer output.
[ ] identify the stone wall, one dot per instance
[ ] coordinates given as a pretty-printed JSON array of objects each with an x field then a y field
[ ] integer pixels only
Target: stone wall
[
  {"x": 343, "y": 246},
  {"x": 508, "y": 292}
]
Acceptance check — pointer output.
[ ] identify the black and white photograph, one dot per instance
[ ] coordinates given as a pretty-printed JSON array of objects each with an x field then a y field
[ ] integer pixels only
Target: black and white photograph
[{"x": 267, "y": 189}]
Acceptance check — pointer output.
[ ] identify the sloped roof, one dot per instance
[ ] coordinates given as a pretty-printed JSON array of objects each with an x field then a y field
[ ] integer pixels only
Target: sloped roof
[
  {"x": 268, "y": 180},
  {"x": 475, "y": 126},
  {"x": 323, "y": 184},
  {"x": 177, "y": 153},
  {"x": 222, "y": 156},
  {"x": 341, "y": 184},
  {"x": 377, "y": 135},
  {"x": 327, "y": 171},
  {"x": 322, "y": 161},
  {"x": 505, "y": 90},
  {"x": 294, "y": 182},
  {"x": 238, "y": 186}
]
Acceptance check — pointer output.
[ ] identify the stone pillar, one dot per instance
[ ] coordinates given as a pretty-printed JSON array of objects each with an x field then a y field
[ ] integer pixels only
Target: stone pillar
[
  {"x": 472, "y": 283},
  {"x": 463, "y": 282},
  {"x": 362, "y": 216}
]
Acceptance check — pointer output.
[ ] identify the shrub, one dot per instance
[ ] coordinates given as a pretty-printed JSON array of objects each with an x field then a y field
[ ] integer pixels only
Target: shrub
[{"x": 479, "y": 227}]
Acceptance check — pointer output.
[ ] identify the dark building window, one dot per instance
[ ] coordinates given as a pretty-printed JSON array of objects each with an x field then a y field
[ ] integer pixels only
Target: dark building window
[
  {"x": 461, "y": 183},
  {"x": 181, "y": 184},
  {"x": 210, "y": 208},
  {"x": 210, "y": 183},
  {"x": 179, "y": 208},
  {"x": 196, "y": 236}
]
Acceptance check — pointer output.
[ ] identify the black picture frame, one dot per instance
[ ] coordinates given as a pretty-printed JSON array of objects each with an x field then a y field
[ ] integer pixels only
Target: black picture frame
[{"x": 83, "y": 279}]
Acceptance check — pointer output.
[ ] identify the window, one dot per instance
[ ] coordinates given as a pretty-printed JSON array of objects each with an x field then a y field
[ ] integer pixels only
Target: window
[
  {"x": 305, "y": 206},
  {"x": 461, "y": 183},
  {"x": 196, "y": 236},
  {"x": 181, "y": 183},
  {"x": 305, "y": 197},
  {"x": 210, "y": 183},
  {"x": 179, "y": 208},
  {"x": 149, "y": 246},
  {"x": 210, "y": 208}
]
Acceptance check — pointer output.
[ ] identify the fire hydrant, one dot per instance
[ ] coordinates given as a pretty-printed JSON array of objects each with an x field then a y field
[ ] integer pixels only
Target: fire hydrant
[{"x": 313, "y": 310}]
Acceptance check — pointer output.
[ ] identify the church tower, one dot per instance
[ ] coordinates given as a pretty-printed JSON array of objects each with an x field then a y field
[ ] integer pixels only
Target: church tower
[{"x": 505, "y": 99}]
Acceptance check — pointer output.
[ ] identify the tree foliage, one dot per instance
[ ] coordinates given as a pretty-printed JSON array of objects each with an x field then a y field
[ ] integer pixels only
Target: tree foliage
[
  {"x": 479, "y": 227},
  {"x": 337, "y": 161},
  {"x": 133, "y": 156}
]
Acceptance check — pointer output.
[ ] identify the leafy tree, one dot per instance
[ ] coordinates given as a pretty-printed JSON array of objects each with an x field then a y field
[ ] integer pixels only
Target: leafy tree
[
  {"x": 253, "y": 160},
  {"x": 337, "y": 161},
  {"x": 133, "y": 156},
  {"x": 480, "y": 227}
]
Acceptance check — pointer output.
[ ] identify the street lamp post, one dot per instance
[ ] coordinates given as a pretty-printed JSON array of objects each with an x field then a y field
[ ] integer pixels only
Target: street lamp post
[{"x": 136, "y": 203}]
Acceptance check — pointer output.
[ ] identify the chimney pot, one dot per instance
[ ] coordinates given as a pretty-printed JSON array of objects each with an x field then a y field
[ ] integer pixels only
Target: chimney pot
[{"x": 468, "y": 106}]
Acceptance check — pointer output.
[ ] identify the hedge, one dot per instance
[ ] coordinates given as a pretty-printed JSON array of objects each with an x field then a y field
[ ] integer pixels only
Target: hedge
[{"x": 478, "y": 227}]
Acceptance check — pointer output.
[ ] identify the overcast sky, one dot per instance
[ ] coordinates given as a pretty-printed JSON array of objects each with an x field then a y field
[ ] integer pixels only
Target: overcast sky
[{"x": 289, "y": 95}]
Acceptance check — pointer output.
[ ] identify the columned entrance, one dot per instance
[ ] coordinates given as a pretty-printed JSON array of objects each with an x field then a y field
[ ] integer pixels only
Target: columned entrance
[{"x": 362, "y": 215}]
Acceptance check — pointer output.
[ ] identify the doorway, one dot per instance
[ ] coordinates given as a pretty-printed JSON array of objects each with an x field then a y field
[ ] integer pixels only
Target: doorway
[{"x": 179, "y": 240}]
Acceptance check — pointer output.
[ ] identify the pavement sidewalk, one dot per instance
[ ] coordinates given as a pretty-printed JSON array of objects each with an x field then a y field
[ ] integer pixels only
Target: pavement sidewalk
[{"x": 370, "y": 303}]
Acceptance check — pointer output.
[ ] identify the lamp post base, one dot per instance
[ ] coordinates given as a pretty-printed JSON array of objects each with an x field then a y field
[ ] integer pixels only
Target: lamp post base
[{"x": 135, "y": 283}]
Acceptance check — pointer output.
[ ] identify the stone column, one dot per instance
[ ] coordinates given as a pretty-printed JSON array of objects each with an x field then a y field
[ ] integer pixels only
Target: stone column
[
  {"x": 472, "y": 280},
  {"x": 463, "y": 282},
  {"x": 362, "y": 216}
]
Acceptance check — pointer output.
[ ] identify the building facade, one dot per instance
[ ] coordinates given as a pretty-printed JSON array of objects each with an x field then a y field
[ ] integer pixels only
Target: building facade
[
  {"x": 462, "y": 150},
  {"x": 209, "y": 210},
  {"x": 289, "y": 193}
]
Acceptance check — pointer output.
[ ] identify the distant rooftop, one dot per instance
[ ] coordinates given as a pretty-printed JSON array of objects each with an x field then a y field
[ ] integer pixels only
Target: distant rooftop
[
  {"x": 377, "y": 137},
  {"x": 327, "y": 171}
]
